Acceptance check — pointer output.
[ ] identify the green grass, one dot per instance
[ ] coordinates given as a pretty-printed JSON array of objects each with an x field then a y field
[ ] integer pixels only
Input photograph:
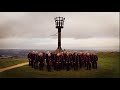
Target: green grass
[
  {"x": 108, "y": 67},
  {"x": 11, "y": 61}
]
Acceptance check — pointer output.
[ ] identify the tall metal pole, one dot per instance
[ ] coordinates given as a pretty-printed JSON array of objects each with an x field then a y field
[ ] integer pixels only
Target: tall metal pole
[
  {"x": 59, "y": 21},
  {"x": 59, "y": 38}
]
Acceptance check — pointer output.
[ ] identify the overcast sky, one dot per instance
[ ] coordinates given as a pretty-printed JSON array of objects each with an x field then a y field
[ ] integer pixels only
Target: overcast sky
[{"x": 82, "y": 30}]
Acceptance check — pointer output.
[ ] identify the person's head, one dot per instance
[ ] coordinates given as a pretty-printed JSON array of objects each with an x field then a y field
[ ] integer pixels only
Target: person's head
[
  {"x": 39, "y": 54},
  {"x": 84, "y": 53},
  {"x": 58, "y": 54},
  {"x": 80, "y": 53},
  {"x": 33, "y": 52},
  {"x": 49, "y": 54},
  {"x": 36, "y": 52},
  {"x": 88, "y": 54}
]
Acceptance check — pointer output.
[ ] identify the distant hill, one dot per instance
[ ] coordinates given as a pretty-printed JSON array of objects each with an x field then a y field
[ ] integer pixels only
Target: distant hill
[
  {"x": 24, "y": 52},
  {"x": 17, "y": 52},
  {"x": 13, "y": 52}
]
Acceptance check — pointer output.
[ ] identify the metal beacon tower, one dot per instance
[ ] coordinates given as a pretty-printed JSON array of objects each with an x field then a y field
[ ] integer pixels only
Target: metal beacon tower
[{"x": 59, "y": 22}]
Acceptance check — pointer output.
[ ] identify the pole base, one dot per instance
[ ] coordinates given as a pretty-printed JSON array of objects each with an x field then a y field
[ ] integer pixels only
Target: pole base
[{"x": 58, "y": 50}]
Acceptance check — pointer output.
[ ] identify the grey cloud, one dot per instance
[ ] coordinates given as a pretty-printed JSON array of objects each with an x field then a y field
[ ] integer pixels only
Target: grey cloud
[{"x": 77, "y": 25}]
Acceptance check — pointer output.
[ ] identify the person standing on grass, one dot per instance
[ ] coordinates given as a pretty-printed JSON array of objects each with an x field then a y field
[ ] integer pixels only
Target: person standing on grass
[
  {"x": 88, "y": 62},
  {"x": 67, "y": 62},
  {"x": 35, "y": 60},
  {"x": 49, "y": 62},
  {"x": 41, "y": 61},
  {"x": 29, "y": 58},
  {"x": 80, "y": 60},
  {"x": 32, "y": 59},
  {"x": 95, "y": 59}
]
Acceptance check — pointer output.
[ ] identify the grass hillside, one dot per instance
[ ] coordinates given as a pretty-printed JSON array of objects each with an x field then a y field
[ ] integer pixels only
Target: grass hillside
[
  {"x": 108, "y": 67},
  {"x": 11, "y": 61}
]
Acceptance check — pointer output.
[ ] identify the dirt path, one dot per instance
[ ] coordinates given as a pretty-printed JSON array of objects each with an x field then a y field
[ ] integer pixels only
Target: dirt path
[{"x": 15, "y": 66}]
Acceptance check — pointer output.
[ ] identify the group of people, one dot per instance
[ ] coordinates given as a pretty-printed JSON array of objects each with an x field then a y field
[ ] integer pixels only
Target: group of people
[{"x": 62, "y": 61}]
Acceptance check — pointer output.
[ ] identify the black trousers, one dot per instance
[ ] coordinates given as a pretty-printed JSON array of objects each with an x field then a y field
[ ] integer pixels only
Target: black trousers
[
  {"x": 88, "y": 64},
  {"x": 80, "y": 64},
  {"x": 94, "y": 65},
  {"x": 35, "y": 64},
  {"x": 41, "y": 66},
  {"x": 68, "y": 67},
  {"x": 32, "y": 64},
  {"x": 29, "y": 62},
  {"x": 49, "y": 68}
]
